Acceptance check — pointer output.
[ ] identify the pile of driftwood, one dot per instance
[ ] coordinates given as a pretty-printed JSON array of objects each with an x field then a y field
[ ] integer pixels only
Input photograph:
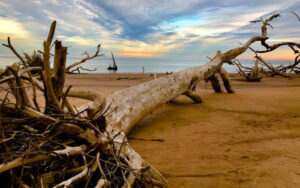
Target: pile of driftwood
[
  {"x": 255, "y": 73},
  {"x": 56, "y": 144},
  {"x": 51, "y": 143},
  {"x": 250, "y": 74}
]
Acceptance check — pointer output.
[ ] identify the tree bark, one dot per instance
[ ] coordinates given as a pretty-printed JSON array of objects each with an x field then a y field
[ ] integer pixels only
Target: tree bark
[
  {"x": 60, "y": 57},
  {"x": 194, "y": 96},
  {"x": 226, "y": 80},
  {"x": 130, "y": 105},
  {"x": 215, "y": 83},
  {"x": 52, "y": 103}
]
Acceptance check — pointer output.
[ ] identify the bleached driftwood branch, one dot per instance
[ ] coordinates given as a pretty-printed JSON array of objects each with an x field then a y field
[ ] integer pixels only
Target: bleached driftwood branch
[
  {"x": 88, "y": 57},
  {"x": 271, "y": 70},
  {"x": 250, "y": 74}
]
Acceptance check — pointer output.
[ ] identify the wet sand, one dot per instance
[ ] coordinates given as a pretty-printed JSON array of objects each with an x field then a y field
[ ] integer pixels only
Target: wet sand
[{"x": 247, "y": 139}]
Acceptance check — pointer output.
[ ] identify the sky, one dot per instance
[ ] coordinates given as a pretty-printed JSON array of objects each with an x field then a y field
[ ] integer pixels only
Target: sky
[{"x": 165, "y": 29}]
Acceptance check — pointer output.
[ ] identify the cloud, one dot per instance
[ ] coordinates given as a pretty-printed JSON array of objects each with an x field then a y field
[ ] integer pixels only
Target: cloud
[
  {"x": 77, "y": 40},
  {"x": 10, "y": 27},
  {"x": 138, "y": 18},
  {"x": 146, "y": 28}
]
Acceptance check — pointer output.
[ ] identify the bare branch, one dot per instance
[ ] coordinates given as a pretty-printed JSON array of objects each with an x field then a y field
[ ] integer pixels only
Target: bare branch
[
  {"x": 68, "y": 69},
  {"x": 20, "y": 161},
  {"x": 10, "y": 46},
  {"x": 50, "y": 97},
  {"x": 273, "y": 70},
  {"x": 81, "y": 68},
  {"x": 296, "y": 15}
]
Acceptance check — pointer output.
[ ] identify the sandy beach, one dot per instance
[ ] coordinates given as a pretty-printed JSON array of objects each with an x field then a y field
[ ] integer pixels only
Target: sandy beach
[
  {"x": 247, "y": 139},
  {"x": 150, "y": 94}
]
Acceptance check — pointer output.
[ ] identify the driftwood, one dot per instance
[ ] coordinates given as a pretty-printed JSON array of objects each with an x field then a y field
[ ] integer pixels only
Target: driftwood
[
  {"x": 273, "y": 71},
  {"x": 254, "y": 73},
  {"x": 87, "y": 146},
  {"x": 250, "y": 74},
  {"x": 74, "y": 67},
  {"x": 296, "y": 15}
]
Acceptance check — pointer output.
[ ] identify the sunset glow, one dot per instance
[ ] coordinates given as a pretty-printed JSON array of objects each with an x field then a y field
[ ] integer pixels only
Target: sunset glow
[
  {"x": 148, "y": 28},
  {"x": 138, "y": 54},
  {"x": 12, "y": 28}
]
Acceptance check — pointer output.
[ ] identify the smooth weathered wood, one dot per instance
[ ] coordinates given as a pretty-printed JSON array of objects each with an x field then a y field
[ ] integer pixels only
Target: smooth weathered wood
[
  {"x": 19, "y": 88},
  {"x": 250, "y": 74},
  {"x": 88, "y": 57},
  {"x": 273, "y": 70},
  {"x": 215, "y": 83},
  {"x": 194, "y": 96},
  {"x": 20, "y": 161},
  {"x": 130, "y": 105},
  {"x": 60, "y": 57},
  {"x": 98, "y": 104},
  {"x": 52, "y": 102},
  {"x": 226, "y": 80}
]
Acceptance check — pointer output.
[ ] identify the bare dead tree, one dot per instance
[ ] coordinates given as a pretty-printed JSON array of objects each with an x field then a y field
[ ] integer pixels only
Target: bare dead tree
[{"x": 254, "y": 73}]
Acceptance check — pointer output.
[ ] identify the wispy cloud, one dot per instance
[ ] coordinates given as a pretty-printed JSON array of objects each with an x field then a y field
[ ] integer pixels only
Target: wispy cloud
[{"x": 145, "y": 28}]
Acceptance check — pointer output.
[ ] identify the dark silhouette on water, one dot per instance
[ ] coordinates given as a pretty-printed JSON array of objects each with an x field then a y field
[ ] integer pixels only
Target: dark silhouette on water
[{"x": 114, "y": 67}]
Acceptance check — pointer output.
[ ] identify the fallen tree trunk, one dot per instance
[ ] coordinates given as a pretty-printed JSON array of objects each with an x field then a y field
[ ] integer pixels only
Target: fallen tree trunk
[
  {"x": 126, "y": 107},
  {"x": 130, "y": 105}
]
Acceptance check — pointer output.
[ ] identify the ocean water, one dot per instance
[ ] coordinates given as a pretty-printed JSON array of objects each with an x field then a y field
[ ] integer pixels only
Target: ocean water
[{"x": 134, "y": 65}]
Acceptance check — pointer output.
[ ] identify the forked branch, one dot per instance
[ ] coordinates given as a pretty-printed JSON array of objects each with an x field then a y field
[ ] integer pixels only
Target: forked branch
[{"x": 88, "y": 57}]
